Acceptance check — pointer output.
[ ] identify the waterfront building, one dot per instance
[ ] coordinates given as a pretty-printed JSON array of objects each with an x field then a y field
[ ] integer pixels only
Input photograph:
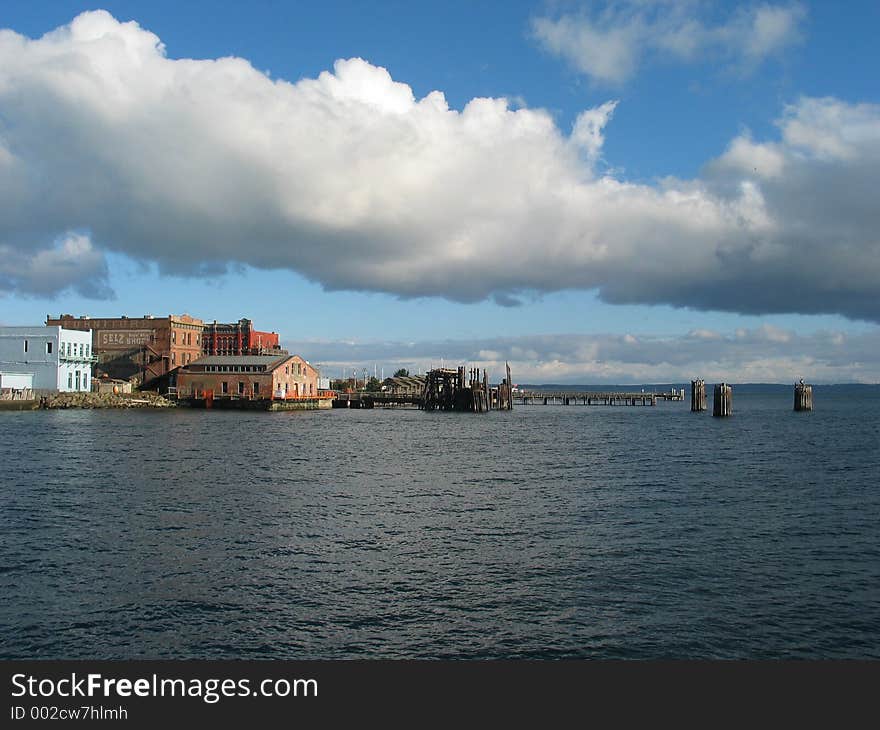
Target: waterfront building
[
  {"x": 50, "y": 358},
  {"x": 254, "y": 377},
  {"x": 150, "y": 349},
  {"x": 143, "y": 349}
]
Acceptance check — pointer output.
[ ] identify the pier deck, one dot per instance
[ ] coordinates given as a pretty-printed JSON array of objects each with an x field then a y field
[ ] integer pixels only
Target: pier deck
[{"x": 592, "y": 398}]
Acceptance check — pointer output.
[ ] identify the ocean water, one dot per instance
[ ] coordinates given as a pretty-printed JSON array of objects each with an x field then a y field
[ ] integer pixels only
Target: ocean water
[{"x": 545, "y": 532}]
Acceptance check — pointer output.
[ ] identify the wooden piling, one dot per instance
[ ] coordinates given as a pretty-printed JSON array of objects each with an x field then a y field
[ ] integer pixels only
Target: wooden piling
[
  {"x": 698, "y": 396},
  {"x": 723, "y": 400},
  {"x": 803, "y": 396}
]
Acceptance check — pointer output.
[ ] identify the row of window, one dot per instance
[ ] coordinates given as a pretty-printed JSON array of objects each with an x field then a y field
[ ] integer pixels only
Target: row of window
[
  {"x": 224, "y": 387},
  {"x": 186, "y": 338},
  {"x": 73, "y": 348},
  {"x": 235, "y": 368}
]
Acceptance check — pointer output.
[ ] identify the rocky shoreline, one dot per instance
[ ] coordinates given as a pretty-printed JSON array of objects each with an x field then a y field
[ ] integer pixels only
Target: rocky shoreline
[
  {"x": 91, "y": 400},
  {"x": 105, "y": 400}
]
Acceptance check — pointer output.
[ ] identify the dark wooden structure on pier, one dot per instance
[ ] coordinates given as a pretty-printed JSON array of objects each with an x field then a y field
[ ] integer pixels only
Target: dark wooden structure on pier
[
  {"x": 443, "y": 389},
  {"x": 803, "y": 396},
  {"x": 465, "y": 389}
]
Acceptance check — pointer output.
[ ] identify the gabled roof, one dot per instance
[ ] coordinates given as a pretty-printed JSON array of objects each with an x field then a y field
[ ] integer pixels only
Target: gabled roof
[{"x": 269, "y": 361}]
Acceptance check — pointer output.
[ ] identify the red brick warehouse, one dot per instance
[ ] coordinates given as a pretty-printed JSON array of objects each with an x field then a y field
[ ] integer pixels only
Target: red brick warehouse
[{"x": 238, "y": 338}]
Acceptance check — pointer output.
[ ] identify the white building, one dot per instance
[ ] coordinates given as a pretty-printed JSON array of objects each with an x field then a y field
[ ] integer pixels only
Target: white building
[{"x": 55, "y": 358}]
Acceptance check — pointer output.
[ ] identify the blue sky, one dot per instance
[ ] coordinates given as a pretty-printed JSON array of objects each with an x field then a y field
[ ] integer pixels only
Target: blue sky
[{"x": 654, "y": 176}]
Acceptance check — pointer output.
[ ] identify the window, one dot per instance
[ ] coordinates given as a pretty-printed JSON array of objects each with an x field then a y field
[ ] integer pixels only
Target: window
[
  {"x": 25, "y": 345},
  {"x": 224, "y": 387},
  {"x": 174, "y": 337},
  {"x": 173, "y": 358},
  {"x": 85, "y": 381},
  {"x": 49, "y": 347},
  {"x": 256, "y": 388},
  {"x": 87, "y": 350},
  {"x": 241, "y": 387},
  {"x": 70, "y": 381}
]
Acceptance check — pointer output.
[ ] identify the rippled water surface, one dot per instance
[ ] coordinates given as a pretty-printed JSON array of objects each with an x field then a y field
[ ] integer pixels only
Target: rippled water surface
[{"x": 545, "y": 532}]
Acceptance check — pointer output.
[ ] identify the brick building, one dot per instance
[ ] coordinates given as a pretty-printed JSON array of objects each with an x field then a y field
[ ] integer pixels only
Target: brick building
[
  {"x": 238, "y": 338},
  {"x": 248, "y": 376},
  {"x": 144, "y": 349}
]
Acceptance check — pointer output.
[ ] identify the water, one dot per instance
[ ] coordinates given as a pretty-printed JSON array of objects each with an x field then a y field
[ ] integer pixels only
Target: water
[{"x": 546, "y": 532}]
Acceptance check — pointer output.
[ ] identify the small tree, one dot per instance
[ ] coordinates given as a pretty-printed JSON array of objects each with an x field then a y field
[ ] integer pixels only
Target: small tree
[
  {"x": 373, "y": 385},
  {"x": 402, "y": 373}
]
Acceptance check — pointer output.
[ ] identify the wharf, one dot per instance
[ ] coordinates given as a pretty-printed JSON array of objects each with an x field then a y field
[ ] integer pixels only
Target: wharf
[
  {"x": 301, "y": 403},
  {"x": 373, "y": 399},
  {"x": 592, "y": 398}
]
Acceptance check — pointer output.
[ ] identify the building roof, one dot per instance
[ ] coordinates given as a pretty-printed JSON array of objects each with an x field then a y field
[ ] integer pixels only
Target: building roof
[
  {"x": 267, "y": 360},
  {"x": 406, "y": 381}
]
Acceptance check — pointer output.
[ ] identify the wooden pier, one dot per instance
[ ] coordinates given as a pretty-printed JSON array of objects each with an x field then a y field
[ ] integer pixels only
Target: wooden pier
[
  {"x": 366, "y": 399},
  {"x": 445, "y": 389},
  {"x": 598, "y": 398}
]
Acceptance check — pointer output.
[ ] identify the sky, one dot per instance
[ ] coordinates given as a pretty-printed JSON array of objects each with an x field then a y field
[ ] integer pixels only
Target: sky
[{"x": 595, "y": 192}]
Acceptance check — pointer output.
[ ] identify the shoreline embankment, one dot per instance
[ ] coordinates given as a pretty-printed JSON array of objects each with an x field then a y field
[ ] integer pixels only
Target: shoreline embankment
[{"x": 89, "y": 401}]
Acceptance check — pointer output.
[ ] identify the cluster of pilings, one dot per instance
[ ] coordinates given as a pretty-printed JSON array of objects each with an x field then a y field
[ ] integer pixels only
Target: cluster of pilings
[
  {"x": 722, "y": 404},
  {"x": 698, "y": 395},
  {"x": 464, "y": 389},
  {"x": 803, "y": 396},
  {"x": 722, "y": 400}
]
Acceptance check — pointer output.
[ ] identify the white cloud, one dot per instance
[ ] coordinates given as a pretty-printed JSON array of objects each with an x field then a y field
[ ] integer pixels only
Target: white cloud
[
  {"x": 70, "y": 263},
  {"x": 763, "y": 354},
  {"x": 354, "y": 182},
  {"x": 587, "y": 130},
  {"x": 608, "y": 42}
]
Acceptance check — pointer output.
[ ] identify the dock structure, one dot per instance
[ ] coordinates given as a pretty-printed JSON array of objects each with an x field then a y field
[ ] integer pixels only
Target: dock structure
[
  {"x": 803, "y": 396},
  {"x": 366, "y": 399},
  {"x": 443, "y": 389},
  {"x": 607, "y": 398},
  {"x": 461, "y": 389},
  {"x": 722, "y": 400},
  {"x": 698, "y": 396}
]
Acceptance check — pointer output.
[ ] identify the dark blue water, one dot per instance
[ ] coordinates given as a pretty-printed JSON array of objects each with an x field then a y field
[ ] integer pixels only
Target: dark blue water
[{"x": 545, "y": 532}]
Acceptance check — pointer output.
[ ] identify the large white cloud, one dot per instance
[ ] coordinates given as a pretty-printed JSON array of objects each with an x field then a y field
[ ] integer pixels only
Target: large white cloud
[{"x": 355, "y": 183}]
